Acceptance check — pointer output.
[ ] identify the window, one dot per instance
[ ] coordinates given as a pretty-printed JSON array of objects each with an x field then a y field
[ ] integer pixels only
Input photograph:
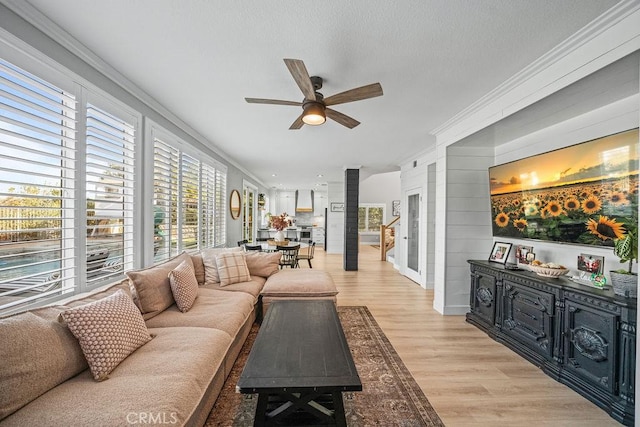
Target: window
[
  {"x": 370, "y": 217},
  {"x": 37, "y": 188},
  {"x": 189, "y": 199},
  {"x": 44, "y": 197}
]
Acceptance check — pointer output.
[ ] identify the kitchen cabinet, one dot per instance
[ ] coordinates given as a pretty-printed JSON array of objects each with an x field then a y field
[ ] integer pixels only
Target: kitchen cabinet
[
  {"x": 317, "y": 235},
  {"x": 319, "y": 203},
  {"x": 580, "y": 336},
  {"x": 286, "y": 203}
]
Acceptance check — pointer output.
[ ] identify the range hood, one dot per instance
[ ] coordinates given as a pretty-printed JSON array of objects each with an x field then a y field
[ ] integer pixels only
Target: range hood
[{"x": 304, "y": 201}]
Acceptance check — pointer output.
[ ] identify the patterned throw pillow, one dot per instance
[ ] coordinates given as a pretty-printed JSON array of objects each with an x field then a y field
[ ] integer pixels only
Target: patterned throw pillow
[
  {"x": 232, "y": 268},
  {"x": 211, "y": 265},
  {"x": 184, "y": 286},
  {"x": 108, "y": 330}
]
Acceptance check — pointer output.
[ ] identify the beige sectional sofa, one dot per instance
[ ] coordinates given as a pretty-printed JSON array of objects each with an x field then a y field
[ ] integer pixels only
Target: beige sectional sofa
[{"x": 174, "y": 378}]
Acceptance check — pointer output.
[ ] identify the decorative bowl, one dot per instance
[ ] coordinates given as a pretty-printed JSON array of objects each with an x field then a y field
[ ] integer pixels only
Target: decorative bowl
[{"x": 548, "y": 272}]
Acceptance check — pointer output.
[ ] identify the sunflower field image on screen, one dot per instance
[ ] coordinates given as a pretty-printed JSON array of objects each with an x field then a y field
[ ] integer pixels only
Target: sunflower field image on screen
[{"x": 584, "y": 194}]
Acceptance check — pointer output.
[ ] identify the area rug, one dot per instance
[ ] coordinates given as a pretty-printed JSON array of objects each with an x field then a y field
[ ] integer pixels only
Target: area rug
[{"x": 390, "y": 396}]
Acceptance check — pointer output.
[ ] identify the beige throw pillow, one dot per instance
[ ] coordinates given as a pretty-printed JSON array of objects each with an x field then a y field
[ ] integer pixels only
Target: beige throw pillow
[
  {"x": 263, "y": 264},
  {"x": 152, "y": 290},
  {"x": 108, "y": 330},
  {"x": 184, "y": 286},
  {"x": 232, "y": 268},
  {"x": 211, "y": 265}
]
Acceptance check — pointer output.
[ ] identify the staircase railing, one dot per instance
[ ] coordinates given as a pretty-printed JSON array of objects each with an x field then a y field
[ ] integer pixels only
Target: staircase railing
[{"x": 387, "y": 238}]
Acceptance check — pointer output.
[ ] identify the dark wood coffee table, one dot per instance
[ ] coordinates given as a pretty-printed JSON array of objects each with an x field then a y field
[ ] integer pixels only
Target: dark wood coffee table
[{"x": 299, "y": 365}]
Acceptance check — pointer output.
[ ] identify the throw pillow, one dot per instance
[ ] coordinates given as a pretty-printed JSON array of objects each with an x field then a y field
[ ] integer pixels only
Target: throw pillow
[
  {"x": 211, "y": 275},
  {"x": 108, "y": 331},
  {"x": 184, "y": 286},
  {"x": 232, "y": 268},
  {"x": 151, "y": 287},
  {"x": 263, "y": 264}
]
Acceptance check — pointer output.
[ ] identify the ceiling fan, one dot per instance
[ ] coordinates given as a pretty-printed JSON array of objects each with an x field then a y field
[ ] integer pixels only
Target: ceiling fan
[{"x": 314, "y": 106}]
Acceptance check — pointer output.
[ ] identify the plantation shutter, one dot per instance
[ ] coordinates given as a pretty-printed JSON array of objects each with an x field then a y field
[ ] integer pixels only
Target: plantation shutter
[
  {"x": 109, "y": 191},
  {"x": 208, "y": 205},
  {"x": 220, "y": 220},
  {"x": 37, "y": 188},
  {"x": 165, "y": 190},
  {"x": 189, "y": 198}
]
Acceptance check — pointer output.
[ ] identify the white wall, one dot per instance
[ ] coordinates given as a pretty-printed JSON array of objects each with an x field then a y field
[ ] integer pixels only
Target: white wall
[
  {"x": 381, "y": 188},
  {"x": 335, "y": 220}
]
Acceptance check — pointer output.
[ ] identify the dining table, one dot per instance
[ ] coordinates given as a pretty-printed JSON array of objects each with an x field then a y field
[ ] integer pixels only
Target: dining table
[{"x": 269, "y": 247}]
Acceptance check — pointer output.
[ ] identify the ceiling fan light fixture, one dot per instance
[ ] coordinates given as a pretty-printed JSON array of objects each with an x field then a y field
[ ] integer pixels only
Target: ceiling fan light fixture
[{"x": 314, "y": 114}]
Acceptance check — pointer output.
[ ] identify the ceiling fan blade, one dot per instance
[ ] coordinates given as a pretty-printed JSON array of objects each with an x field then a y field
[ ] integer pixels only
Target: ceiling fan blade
[
  {"x": 343, "y": 119},
  {"x": 357, "y": 94},
  {"x": 271, "y": 101},
  {"x": 301, "y": 76},
  {"x": 297, "y": 124}
]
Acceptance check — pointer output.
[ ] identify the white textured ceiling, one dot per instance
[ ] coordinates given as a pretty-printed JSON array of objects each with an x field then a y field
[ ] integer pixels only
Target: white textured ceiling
[{"x": 433, "y": 58}]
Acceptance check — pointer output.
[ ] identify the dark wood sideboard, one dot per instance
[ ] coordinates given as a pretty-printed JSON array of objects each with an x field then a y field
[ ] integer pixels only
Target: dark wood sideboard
[{"x": 581, "y": 336}]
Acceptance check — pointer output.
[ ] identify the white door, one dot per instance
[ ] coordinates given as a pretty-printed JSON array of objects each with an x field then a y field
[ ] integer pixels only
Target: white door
[{"x": 413, "y": 249}]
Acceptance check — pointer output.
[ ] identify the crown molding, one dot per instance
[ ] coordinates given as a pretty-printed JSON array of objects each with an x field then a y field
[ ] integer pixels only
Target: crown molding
[
  {"x": 41, "y": 22},
  {"x": 587, "y": 33}
]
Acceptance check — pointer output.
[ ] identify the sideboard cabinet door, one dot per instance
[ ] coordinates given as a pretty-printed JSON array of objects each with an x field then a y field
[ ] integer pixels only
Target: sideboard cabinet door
[
  {"x": 483, "y": 297},
  {"x": 527, "y": 316},
  {"x": 590, "y": 343}
]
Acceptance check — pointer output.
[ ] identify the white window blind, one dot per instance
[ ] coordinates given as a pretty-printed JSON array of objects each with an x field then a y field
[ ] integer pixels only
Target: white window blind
[
  {"x": 220, "y": 219},
  {"x": 189, "y": 206},
  {"x": 165, "y": 191},
  {"x": 189, "y": 201},
  {"x": 110, "y": 182},
  {"x": 37, "y": 191}
]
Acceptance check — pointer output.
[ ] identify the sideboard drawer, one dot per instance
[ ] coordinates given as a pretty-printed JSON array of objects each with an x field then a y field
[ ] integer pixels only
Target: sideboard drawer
[{"x": 528, "y": 316}]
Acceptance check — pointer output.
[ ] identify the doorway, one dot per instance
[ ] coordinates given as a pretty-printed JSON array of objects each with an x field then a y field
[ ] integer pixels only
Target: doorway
[
  {"x": 412, "y": 218},
  {"x": 249, "y": 202}
]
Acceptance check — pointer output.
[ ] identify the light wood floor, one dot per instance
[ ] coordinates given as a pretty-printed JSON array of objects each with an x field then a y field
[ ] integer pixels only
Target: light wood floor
[{"x": 469, "y": 379}]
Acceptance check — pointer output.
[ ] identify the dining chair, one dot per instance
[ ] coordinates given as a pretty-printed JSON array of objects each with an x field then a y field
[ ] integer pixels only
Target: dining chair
[
  {"x": 308, "y": 255},
  {"x": 253, "y": 248},
  {"x": 288, "y": 256}
]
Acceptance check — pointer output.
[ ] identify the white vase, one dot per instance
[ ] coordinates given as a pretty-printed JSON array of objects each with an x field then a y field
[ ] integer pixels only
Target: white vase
[{"x": 279, "y": 237}]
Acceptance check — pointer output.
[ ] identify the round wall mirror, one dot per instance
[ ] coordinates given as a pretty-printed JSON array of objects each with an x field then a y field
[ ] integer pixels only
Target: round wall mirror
[{"x": 235, "y": 204}]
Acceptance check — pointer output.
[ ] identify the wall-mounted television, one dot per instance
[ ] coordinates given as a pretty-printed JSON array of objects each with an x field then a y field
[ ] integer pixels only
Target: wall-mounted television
[{"x": 584, "y": 194}]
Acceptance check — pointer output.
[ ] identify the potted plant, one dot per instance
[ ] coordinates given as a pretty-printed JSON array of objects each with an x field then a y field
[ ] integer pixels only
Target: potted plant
[
  {"x": 279, "y": 223},
  {"x": 625, "y": 282}
]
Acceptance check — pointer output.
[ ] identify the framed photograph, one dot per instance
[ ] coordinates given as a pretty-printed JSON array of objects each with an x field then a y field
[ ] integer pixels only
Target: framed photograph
[
  {"x": 337, "y": 207},
  {"x": 395, "y": 208},
  {"x": 500, "y": 252},
  {"x": 591, "y": 263},
  {"x": 522, "y": 254}
]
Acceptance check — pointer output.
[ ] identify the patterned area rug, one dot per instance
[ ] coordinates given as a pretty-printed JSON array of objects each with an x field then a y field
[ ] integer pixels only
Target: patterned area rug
[{"x": 390, "y": 396}]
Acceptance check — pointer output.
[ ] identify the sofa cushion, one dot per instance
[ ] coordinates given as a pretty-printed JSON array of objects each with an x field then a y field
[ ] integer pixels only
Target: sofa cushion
[
  {"x": 302, "y": 282},
  {"x": 223, "y": 310},
  {"x": 198, "y": 267},
  {"x": 232, "y": 268},
  {"x": 252, "y": 287},
  {"x": 211, "y": 265},
  {"x": 166, "y": 378},
  {"x": 262, "y": 264},
  {"x": 108, "y": 330},
  {"x": 152, "y": 291},
  {"x": 36, "y": 354},
  {"x": 184, "y": 285}
]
